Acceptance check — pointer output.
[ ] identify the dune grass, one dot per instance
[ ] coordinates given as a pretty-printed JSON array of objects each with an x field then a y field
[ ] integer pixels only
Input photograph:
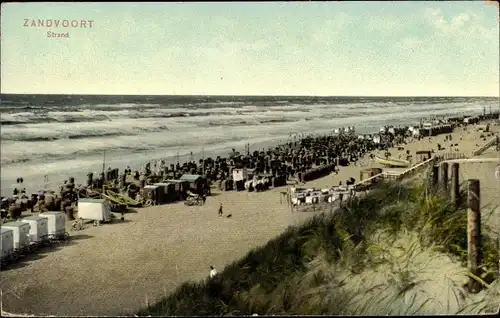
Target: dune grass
[{"x": 323, "y": 266}]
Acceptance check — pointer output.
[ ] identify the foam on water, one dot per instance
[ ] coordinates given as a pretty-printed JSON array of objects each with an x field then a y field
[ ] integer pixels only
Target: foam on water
[{"x": 68, "y": 140}]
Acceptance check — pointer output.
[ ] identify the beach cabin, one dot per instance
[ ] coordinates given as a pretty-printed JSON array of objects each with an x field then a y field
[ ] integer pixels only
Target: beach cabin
[
  {"x": 21, "y": 233},
  {"x": 56, "y": 222},
  {"x": 94, "y": 209},
  {"x": 471, "y": 120},
  {"x": 195, "y": 181},
  {"x": 7, "y": 242},
  {"x": 181, "y": 187},
  {"x": 416, "y": 132},
  {"x": 167, "y": 191},
  {"x": 239, "y": 178},
  {"x": 240, "y": 174},
  {"x": 151, "y": 192},
  {"x": 39, "y": 229}
]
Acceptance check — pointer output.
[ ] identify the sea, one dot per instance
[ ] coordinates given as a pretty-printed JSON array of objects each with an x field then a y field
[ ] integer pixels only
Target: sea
[{"x": 45, "y": 139}]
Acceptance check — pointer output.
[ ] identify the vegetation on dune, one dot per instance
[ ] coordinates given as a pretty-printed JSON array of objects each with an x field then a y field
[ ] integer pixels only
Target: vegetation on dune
[{"x": 306, "y": 269}]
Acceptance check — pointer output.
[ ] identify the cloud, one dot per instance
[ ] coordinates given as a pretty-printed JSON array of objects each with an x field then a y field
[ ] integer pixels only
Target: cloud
[{"x": 466, "y": 25}]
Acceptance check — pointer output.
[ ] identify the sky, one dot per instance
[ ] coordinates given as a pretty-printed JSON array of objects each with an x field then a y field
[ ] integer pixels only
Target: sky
[{"x": 421, "y": 48}]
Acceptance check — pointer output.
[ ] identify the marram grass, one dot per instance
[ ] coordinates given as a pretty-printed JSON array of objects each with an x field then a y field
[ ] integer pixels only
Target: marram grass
[{"x": 312, "y": 268}]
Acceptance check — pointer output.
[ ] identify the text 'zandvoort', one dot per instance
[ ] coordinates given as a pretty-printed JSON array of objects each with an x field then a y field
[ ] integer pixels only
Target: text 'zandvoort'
[{"x": 51, "y": 23}]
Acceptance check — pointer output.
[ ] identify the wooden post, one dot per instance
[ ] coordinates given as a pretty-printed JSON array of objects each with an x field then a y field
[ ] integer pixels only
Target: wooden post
[
  {"x": 443, "y": 176},
  {"x": 473, "y": 233},
  {"x": 455, "y": 184},
  {"x": 435, "y": 176}
]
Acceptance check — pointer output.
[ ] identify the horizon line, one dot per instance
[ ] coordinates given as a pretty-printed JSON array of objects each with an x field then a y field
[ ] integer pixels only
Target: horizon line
[{"x": 239, "y": 95}]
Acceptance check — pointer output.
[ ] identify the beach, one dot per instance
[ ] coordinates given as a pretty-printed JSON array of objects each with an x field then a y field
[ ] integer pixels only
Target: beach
[
  {"x": 230, "y": 159},
  {"x": 116, "y": 268}
]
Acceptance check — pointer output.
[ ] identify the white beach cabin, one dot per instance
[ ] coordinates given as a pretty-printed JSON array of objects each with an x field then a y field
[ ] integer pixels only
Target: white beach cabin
[
  {"x": 56, "y": 223},
  {"x": 20, "y": 232},
  {"x": 94, "y": 209},
  {"x": 240, "y": 174},
  {"x": 39, "y": 228},
  {"x": 7, "y": 242}
]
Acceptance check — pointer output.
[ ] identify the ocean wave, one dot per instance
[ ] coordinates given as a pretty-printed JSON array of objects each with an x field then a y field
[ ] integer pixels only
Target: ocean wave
[
  {"x": 51, "y": 152},
  {"x": 68, "y": 132},
  {"x": 96, "y": 116},
  {"x": 91, "y": 124},
  {"x": 53, "y": 138},
  {"x": 102, "y": 112},
  {"x": 47, "y": 135}
]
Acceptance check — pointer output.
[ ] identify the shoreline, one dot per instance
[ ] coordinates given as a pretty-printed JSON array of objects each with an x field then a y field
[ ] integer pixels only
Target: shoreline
[{"x": 55, "y": 179}]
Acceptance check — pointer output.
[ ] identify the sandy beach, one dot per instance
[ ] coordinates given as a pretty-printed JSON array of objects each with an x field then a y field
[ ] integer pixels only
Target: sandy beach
[{"x": 116, "y": 268}]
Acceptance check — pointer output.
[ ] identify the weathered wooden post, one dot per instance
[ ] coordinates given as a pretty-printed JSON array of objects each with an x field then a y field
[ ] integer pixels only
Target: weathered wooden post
[
  {"x": 434, "y": 180},
  {"x": 443, "y": 176},
  {"x": 455, "y": 184},
  {"x": 473, "y": 234}
]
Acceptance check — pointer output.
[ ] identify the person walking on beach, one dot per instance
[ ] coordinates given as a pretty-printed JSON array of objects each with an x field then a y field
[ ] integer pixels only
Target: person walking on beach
[
  {"x": 204, "y": 198},
  {"x": 220, "y": 210}
]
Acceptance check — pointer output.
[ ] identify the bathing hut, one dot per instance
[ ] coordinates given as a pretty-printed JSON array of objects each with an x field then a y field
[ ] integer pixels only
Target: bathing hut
[
  {"x": 471, "y": 120},
  {"x": 240, "y": 174},
  {"x": 152, "y": 192},
  {"x": 196, "y": 182},
  {"x": 167, "y": 192},
  {"x": 239, "y": 178},
  {"x": 180, "y": 186},
  {"x": 415, "y": 132}
]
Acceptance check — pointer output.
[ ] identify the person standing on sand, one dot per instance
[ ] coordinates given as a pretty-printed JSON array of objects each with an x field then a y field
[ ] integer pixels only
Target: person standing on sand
[
  {"x": 213, "y": 272},
  {"x": 220, "y": 210}
]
